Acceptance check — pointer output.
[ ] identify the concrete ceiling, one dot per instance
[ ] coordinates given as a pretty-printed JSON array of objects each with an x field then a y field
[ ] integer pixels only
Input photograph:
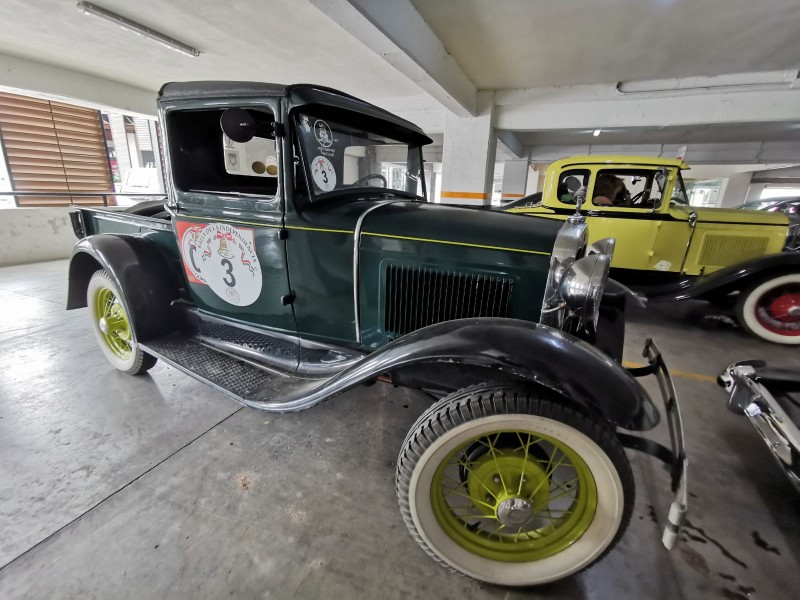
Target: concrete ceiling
[
  {"x": 276, "y": 41},
  {"x": 703, "y": 133},
  {"x": 507, "y": 44},
  {"x": 546, "y": 65}
]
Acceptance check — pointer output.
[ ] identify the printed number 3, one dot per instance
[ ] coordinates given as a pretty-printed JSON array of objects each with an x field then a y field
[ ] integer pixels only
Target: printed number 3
[
  {"x": 229, "y": 272},
  {"x": 324, "y": 176}
]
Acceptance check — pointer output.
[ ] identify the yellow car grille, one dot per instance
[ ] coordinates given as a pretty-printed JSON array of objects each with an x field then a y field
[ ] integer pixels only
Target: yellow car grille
[{"x": 723, "y": 250}]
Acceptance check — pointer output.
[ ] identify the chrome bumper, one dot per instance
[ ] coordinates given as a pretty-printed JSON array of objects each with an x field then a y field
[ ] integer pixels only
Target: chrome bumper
[
  {"x": 751, "y": 398},
  {"x": 675, "y": 456}
]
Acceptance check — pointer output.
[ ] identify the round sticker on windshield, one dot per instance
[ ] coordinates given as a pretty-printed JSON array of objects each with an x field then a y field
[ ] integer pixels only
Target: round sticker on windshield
[
  {"x": 323, "y": 173},
  {"x": 323, "y": 133}
]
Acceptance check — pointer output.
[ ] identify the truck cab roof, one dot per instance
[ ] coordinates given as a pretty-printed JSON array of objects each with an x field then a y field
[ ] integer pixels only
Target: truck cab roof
[{"x": 299, "y": 94}]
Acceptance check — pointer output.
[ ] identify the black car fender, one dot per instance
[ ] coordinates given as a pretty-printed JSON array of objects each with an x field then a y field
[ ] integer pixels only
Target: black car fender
[
  {"x": 141, "y": 271},
  {"x": 452, "y": 355},
  {"x": 726, "y": 281}
]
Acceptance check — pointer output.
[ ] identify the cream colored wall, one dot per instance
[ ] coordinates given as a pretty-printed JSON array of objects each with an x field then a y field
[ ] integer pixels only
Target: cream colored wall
[{"x": 30, "y": 235}]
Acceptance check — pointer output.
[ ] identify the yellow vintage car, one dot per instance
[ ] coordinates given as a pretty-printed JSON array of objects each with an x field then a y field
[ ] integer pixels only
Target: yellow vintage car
[{"x": 671, "y": 250}]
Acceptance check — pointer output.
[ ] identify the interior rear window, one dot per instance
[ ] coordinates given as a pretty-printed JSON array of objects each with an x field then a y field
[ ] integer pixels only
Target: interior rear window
[{"x": 204, "y": 159}]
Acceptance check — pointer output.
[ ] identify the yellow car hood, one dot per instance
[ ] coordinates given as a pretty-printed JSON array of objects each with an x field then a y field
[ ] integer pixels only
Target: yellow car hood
[{"x": 732, "y": 215}]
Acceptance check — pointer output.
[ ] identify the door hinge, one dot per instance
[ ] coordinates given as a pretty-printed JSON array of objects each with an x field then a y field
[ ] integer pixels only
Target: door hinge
[
  {"x": 277, "y": 129},
  {"x": 288, "y": 299},
  {"x": 283, "y": 234}
]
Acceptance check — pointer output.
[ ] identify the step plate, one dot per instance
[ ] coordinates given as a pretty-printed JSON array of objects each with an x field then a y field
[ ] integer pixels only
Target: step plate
[{"x": 236, "y": 378}]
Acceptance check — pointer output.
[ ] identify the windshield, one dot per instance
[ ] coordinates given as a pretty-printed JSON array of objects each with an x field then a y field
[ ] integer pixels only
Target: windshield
[{"x": 344, "y": 154}]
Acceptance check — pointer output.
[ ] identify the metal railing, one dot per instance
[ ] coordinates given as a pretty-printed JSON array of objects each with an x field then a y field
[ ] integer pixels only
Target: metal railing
[{"x": 71, "y": 195}]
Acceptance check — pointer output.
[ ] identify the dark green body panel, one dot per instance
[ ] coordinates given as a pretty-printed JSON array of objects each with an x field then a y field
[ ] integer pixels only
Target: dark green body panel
[
  {"x": 106, "y": 221},
  {"x": 320, "y": 252},
  {"x": 265, "y": 219}
]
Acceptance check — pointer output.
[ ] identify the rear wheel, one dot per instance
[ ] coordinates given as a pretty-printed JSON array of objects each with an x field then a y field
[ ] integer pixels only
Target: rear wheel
[
  {"x": 550, "y": 492},
  {"x": 112, "y": 326},
  {"x": 771, "y": 310}
]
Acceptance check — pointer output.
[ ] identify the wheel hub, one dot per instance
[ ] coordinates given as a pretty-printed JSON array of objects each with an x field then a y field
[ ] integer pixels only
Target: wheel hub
[
  {"x": 103, "y": 325},
  {"x": 515, "y": 512},
  {"x": 786, "y": 307}
]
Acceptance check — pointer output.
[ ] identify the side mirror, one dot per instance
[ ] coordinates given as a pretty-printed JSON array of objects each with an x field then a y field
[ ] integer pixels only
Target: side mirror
[{"x": 238, "y": 124}]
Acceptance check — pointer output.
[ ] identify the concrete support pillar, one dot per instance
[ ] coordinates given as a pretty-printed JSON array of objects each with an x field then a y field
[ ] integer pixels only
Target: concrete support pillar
[
  {"x": 515, "y": 179},
  {"x": 468, "y": 156},
  {"x": 754, "y": 191},
  {"x": 735, "y": 191}
]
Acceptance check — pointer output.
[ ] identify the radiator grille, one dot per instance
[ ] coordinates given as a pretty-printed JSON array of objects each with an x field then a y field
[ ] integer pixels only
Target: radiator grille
[
  {"x": 720, "y": 250},
  {"x": 419, "y": 296}
]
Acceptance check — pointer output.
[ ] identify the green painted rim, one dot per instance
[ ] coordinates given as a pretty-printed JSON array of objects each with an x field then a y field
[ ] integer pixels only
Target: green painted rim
[
  {"x": 474, "y": 486},
  {"x": 112, "y": 322}
]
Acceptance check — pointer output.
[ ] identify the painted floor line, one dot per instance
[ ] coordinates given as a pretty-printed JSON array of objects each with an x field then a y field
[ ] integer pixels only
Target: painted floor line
[{"x": 674, "y": 373}]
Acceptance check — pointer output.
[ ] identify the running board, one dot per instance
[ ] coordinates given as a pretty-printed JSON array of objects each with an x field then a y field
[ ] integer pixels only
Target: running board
[{"x": 246, "y": 382}]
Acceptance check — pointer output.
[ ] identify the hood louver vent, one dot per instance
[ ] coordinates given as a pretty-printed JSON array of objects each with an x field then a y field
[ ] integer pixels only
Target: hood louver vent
[
  {"x": 418, "y": 296},
  {"x": 720, "y": 250}
]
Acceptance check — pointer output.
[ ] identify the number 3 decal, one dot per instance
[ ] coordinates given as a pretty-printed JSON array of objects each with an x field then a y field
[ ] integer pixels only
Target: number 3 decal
[{"x": 229, "y": 272}]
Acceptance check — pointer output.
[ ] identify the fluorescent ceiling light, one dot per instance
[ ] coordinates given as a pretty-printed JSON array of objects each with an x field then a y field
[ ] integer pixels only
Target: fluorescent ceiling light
[
  {"x": 597, "y": 132},
  {"x": 88, "y": 8},
  {"x": 765, "y": 80}
]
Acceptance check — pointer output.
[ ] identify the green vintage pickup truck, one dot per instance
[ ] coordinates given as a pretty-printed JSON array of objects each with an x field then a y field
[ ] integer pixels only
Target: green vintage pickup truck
[{"x": 296, "y": 258}]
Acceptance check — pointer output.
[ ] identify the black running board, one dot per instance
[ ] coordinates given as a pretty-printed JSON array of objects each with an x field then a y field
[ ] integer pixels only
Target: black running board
[{"x": 247, "y": 383}]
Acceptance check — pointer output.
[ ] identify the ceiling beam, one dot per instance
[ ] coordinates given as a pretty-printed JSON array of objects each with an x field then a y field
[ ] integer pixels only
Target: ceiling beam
[
  {"x": 511, "y": 142},
  {"x": 602, "y": 106},
  {"x": 398, "y": 34},
  {"x": 19, "y": 75}
]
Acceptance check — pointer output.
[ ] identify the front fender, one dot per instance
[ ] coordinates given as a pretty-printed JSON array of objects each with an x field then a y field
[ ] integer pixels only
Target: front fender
[
  {"x": 140, "y": 270},
  {"x": 725, "y": 281},
  {"x": 465, "y": 351}
]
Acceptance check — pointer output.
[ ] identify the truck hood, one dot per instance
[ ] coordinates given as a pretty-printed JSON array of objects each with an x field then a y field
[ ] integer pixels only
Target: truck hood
[
  {"x": 734, "y": 216},
  {"x": 463, "y": 226}
]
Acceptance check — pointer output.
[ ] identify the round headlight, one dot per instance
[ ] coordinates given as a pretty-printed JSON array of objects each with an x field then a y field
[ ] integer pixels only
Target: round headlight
[{"x": 582, "y": 286}]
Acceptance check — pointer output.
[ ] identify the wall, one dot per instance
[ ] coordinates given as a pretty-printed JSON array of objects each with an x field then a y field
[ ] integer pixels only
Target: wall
[{"x": 34, "y": 234}]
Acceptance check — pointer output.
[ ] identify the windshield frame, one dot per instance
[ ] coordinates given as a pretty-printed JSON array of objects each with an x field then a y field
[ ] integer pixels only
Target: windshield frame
[
  {"x": 679, "y": 181},
  {"x": 377, "y": 126}
]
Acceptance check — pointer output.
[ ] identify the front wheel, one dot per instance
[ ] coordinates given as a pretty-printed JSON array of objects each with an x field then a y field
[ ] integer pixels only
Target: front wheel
[
  {"x": 112, "y": 326},
  {"x": 512, "y": 486},
  {"x": 771, "y": 310}
]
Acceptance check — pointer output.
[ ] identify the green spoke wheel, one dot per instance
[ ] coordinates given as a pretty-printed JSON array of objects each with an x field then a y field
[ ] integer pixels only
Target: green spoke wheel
[
  {"x": 112, "y": 326},
  {"x": 512, "y": 486}
]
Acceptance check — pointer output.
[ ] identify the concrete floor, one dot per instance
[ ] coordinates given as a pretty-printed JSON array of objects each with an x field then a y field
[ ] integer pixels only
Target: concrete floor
[{"x": 156, "y": 486}]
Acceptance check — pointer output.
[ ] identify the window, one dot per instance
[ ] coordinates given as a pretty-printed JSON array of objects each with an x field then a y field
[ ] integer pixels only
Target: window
[
  {"x": 569, "y": 182},
  {"x": 629, "y": 188},
  {"x": 206, "y": 160},
  {"x": 345, "y": 152}
]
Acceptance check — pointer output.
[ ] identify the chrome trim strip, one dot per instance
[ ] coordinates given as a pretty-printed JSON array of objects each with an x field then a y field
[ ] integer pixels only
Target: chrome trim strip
[
  {"x": 776, "y": 428},
  {"x": 356, "y": 263},
  {"x": 693, "y": 225}
]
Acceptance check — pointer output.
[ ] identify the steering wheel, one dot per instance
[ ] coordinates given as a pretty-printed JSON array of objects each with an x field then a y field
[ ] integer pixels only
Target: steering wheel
[
  {"x": 366, "y": 178},
  {"x": 638, "y": 197}
]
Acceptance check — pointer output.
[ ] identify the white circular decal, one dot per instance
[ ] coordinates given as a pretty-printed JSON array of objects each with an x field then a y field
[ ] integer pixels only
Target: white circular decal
[
  {"x": 663, "y": 265},
  {"x": 323, "y": 173},
  {"x": 189, "y": 251},
  {"x": 223, "y": 257},
  {"x": 323, "y": 133}
]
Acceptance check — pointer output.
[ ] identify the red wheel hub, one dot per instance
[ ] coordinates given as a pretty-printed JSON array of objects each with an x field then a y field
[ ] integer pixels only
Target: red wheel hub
[
  {"x": 786, "y": 308},
  {"x": 778, "y": 311}
]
